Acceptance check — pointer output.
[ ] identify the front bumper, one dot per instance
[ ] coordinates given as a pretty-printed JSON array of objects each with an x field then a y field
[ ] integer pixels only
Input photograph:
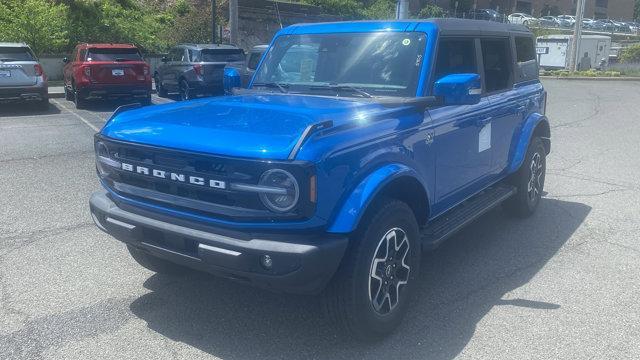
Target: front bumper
[
  {"x": 301, "y": 263},
  {"x": 110, "y": 91},
  {"x": 38, "y": 92}
]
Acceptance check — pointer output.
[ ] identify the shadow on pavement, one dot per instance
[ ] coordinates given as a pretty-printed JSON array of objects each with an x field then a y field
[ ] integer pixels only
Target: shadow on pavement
[
  {"x": 460, "y": 282},
  {"x": 26, "y": 109}
]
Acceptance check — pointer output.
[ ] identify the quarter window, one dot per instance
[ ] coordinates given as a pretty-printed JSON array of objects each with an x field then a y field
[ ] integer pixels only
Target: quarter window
[{"x": 524, "y": 49}]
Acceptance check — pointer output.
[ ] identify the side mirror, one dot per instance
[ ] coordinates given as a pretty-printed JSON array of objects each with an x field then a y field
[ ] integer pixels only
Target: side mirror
[
  {"x": 65, "y": 59},
  {"x": 231, "y": 79},
  {"x": 164, "y": 59},
  {"x": 458, "y": 89}
]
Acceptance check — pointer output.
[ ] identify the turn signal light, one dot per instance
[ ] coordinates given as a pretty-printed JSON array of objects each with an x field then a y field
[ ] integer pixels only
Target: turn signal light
[
  {"x": 198, "y": 69},
  {"x": 38, "y": 70}
]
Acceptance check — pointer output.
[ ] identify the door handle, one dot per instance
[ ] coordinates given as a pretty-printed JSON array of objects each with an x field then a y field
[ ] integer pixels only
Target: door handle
[{"x": 484, "y": 121}]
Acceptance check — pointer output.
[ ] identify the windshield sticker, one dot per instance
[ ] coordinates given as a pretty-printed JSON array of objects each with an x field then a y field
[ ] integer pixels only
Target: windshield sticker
[{"x": 406, "y": 42}]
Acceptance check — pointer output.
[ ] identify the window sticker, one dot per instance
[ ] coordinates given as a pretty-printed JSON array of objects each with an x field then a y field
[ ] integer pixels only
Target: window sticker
[
  {"x": 406, "y": 42},
  {"x": 484, "y": 140}
]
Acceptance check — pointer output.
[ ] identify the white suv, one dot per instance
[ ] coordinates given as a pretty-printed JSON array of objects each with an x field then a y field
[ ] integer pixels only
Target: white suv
[{"x": 522, "y": 19}]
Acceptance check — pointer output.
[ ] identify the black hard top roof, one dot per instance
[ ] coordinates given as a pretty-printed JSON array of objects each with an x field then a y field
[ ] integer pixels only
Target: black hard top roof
[{"x": 452, "y": 26}]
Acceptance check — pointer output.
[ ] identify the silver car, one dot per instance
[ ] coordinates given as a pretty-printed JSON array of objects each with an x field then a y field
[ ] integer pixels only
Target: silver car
[{"x": 21, "y": 76}]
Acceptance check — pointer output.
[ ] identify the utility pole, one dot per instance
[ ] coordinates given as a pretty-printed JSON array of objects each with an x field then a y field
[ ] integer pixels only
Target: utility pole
[
  {"x": 577, "y": 37},
  {"x": 213, "y": 21},
  {"x": 402, "y": 9},
  {"x": 233, "y": 22}
]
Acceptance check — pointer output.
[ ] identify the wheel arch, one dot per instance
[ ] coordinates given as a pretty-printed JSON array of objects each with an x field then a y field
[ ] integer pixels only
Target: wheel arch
[
  {"x": 397, "y": 181},
  {"x": 535, "y": 125}
]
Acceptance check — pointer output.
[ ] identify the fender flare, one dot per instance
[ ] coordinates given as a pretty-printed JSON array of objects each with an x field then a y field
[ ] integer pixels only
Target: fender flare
[
  {"x": 358, "y": 201},
  {"x": 522, "y": 145}
]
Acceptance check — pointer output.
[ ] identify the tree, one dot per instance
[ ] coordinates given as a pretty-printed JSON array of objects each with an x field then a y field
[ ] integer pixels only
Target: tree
[
  {"x": 636, "y": 11},
  {"x": 431, "y": 11},
  {"x": 630, "y": 54},
  {"x": 39, "y": 23}
]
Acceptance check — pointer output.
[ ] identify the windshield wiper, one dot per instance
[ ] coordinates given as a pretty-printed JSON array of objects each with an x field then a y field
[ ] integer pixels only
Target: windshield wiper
[
  {"x": 279, "y": 86},
  {"x": 124, "y": 59},
  {"x": 341, "y": 87},
  {"x": 8, "y": 59}
]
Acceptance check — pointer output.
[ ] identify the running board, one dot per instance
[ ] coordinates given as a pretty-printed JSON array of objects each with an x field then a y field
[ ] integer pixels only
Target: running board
[{"x": 455, "y": 219}]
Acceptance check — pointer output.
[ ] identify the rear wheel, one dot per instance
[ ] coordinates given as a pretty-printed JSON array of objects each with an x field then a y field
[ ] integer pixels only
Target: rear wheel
[
  {"x": 146, "y": 101},
  {"x": 529, "y": 181},
  {"x": 68, "y": 95},
  {"x": 155, "y": 264},
  {"x": 80, "y": 101},
  {"x": 162, "y": 92},
  {"x": 370, "y": 293},
  {"x": 185, "y": 92}
]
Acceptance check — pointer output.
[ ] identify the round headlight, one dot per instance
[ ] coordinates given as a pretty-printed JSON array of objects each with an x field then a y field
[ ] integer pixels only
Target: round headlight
[{"x": 286, "y": 191}]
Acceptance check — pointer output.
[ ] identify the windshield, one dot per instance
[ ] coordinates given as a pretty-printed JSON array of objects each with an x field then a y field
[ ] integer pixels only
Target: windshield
[
  {"x": 219, "y": 55},
  {"x": 131, "y": 54},
  {"x": 16, "y": 54},
  {"x": 380, "y": 63}
]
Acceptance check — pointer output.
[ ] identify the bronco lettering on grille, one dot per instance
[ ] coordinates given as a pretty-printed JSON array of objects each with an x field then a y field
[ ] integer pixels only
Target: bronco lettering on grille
[{"x": 194, "y": 180}]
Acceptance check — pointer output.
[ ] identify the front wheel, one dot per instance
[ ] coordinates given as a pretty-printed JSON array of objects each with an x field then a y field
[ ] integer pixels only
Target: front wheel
[
  {"x": 370, "y": 293},
  {"x": 529, "y": 181},
  {"x": 162, "y": 92}
]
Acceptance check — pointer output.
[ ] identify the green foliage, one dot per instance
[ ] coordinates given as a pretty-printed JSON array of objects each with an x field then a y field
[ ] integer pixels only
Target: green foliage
[
  {"x": 548, "y": 10},
  {"x": 630, "y": 54},
  {"x": 357, "y": 9},
  {"x": 585, "y": 73},
  {"x": 636, "y": 11},
  {"x": 431, "y": 11},
  {"x": 39, "y": 23}
]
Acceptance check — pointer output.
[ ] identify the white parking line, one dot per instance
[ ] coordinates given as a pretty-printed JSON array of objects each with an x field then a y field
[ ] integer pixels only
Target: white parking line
[{"x": 93, "y": 127}]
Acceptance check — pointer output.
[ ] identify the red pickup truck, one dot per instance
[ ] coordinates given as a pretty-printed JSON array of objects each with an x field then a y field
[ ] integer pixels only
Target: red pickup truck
[{"x": 106, "y": 71}]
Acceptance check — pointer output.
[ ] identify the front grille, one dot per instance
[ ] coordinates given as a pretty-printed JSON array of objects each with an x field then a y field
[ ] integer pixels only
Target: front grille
[{"x": 205, "y": 200}]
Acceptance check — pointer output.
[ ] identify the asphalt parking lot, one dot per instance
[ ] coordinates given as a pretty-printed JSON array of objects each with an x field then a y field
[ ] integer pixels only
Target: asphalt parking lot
[{"x": 562, "y": 284}]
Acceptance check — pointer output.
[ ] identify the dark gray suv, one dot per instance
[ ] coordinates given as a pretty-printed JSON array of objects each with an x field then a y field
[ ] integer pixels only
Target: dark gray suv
[{"x": 193, "y": 70}]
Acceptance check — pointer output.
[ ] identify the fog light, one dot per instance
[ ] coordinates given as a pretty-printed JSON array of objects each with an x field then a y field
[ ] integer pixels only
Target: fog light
[{"x": 266, "y": 262}]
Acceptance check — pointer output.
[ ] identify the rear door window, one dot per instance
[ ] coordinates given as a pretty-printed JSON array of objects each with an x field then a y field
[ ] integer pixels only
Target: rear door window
[
  {"x": 497, "y": 64},
  {"x": 8, "y": 54},
  {"x": 220, "y": 55},
  {"x": 111, "y": 54}
]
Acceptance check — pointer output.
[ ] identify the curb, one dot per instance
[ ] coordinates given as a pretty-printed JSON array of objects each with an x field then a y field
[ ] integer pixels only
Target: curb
[
  {"x": 56, "y": 95},
  {"x": 610, "y": 78}
]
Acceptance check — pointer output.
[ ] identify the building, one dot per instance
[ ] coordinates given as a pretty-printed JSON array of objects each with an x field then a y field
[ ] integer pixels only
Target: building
[{"x": 597, "y": 9}]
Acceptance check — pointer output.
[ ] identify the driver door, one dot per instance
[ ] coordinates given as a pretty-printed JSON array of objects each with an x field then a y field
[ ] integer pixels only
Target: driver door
[{"x": 462, "y": 134}]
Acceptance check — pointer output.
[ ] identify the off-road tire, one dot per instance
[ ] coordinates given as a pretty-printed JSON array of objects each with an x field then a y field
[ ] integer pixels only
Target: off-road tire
[
  {"x": 162, "y": 92},
  {"x": 155, "y": 264},
  {"x": 347, "y": 300},
  {"x": 68, "y": 95},
  {"x": 80, "y": 102},
  {"x": 525, "y": 202}
]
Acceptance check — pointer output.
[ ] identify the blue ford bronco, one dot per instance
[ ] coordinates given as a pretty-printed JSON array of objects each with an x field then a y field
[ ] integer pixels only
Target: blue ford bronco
[{"x": 356, "y": 146}]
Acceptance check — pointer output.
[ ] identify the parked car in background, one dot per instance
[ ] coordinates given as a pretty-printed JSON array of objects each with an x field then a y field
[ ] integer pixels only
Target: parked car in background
[
  {"x": 523, "y": 19},
  {"x": 634, "y": 26},
  {"x": 604, "y": 25},
  {"x": 21, "y": 76},
  {"x": 486, "y": 14},
  {"x": 587, "y": 23},
  {"x": 549, "y": 21},
  {"x": 622, "y": 27},
  {"x": 106, "y": 71},
  {"x": 194, "y": 70},
  {"x": 567, "y": 21},
  {"x": 246, "y": 70}
]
